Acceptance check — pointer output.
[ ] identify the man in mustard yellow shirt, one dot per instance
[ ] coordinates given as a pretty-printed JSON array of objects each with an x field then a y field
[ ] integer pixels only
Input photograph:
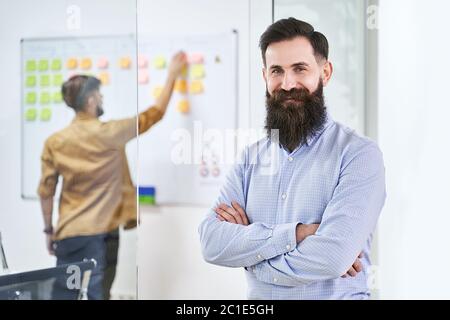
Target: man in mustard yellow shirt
[{"x": 97, "y": 193}]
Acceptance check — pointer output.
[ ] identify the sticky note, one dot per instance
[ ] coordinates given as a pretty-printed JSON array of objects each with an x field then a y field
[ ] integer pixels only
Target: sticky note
[
  {"x": 104, "y": 78},
  {"x": 45, "y": 98},
  {"x": 156, "y": 92},
  {"x": 143, "y": 76},
  {"x": 72, "y": 63},
  {"x": 30, "y": 98},
  {"x": 57, "y": 97},
  {"x": 30, "y": 81},
  {"x": 196, "y": 87},
  {"x": 197, "y": 71},
  {"x": 102, "y": 63},
  {"x": 46, "y": 114},
  {"x": 86, "y": 63},
  {"x": 30, "y": 114},
  {"x": 183, "y": 106},
  {"x": 159, "y": 62},
  {"x": 43, "y": 65},
  {"x": 195, "y": 58},
  {"x": 56, "y": 64},
  {"x": 44, "y": 80},
  {"x": 125, "y": 63},
  {"x": 142, "y": 61},
  {"x": 184, "y": 72},
  {"x": 180, "y": 86},
  {"x": 57, "y": 80},
  {"x": 30, "y": 65}
]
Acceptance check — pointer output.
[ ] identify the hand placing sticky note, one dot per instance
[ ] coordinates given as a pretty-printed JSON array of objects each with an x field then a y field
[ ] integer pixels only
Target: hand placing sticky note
[
  {"x": 143, "y": 76},
  {"x": 45, "y": 98},
  {"x": 181, "y": 86},
  {"x": 197, "y": 71},
  {"x": 159, "y": 62},
  {"x": 30, "y": 98},
  {"x": 72, "y": 63},
  {"x": 44, "y": 80},
  {"x": 125, "y": 63},
  {"x": 183, "y": 106},
  {"x": 104, "y": 78},
  {"x": 156, "y": 92},
  {"x": 142, "y": 61},
  {"x": 30, "y": 81},
  {"x": 57, "y": 97},
  {"x": 56, "y": 64},
  {"x": 195, "y": 58},
  {"x": 57, "y": 80},
  {"x": 46, "y": 114},
  {"x": 196, "y": 87},
  {"x": 43, "y": 65},
  {"x": 31, "y": 114},
  {"x": 30, "y": 65},
  {"x": 102, "y": 63},
  {"x": 86, "y": 63}
]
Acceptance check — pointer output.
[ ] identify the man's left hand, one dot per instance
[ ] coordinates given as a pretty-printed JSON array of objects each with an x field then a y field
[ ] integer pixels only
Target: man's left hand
[{"x": 234, "y": 214}]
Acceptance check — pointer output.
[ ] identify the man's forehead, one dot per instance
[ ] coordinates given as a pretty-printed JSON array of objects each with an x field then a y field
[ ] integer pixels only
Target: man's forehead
[{"x": 288, "y": 52}]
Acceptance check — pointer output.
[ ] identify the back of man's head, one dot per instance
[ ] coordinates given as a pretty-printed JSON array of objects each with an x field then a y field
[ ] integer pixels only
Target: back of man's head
[{"x": 77, "y": 90}]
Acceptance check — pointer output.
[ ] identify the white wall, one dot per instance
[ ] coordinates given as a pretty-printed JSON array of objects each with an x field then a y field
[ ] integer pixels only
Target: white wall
[
  {"x": 413, "y": 134},
  {"x": 21, "y": 221}
]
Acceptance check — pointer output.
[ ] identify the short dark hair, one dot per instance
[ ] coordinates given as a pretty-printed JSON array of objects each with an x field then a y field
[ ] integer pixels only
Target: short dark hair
[
  {"x": 288, "y": 29},
  {"x": 77, "y": 89}
]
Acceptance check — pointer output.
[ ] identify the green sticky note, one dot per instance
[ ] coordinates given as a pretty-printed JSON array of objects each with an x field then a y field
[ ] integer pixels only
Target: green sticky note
[
  {"x": 146, "y": 199},
  {"x": 56, "y": 64},
  {"x": 30, "y": 81},
  {"x": 58, "y": 80},
  {"x": 45, "y": 98},
  {"x": 45, "y": 80},
  {"x": 30, "y": 65},
  {"x": 43, "y": 65},
  {"x": 30, "y": 114},
  {"x": 46, "y": 114},
  {"x": 30, "y": 98},
  {"x": 57, "y": 97}
]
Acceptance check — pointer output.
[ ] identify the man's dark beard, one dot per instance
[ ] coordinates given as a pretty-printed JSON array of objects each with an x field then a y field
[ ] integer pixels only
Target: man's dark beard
[{"x": 297, "y": 119}]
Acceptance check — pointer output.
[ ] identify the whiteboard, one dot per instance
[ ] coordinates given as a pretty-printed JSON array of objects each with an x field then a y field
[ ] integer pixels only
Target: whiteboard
[
  {"x": 208, "y": 106},
  {"x": 192, "y": 173}
]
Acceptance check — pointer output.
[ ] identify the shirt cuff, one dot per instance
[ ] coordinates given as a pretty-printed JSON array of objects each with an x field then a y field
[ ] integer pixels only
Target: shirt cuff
[{"x": 284, "y": 238}]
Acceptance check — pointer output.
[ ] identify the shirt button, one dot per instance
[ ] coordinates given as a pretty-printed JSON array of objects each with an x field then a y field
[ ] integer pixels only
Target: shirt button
[
  {"x": 275, "y": 279},
  {"x": 259, "y": 257},
  {"x": 254, "y": 270},
  {"x": 290, "y": 159},
  {"x": 288, "y": 247},
  {"x": 283, "y": 196}
]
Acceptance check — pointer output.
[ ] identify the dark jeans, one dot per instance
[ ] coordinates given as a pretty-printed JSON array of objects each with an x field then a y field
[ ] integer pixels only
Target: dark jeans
[{"x": 103, "y": 248}]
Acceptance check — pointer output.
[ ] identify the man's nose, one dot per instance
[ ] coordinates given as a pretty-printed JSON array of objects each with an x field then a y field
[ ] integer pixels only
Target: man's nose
[{"x": 289, "y": 82}]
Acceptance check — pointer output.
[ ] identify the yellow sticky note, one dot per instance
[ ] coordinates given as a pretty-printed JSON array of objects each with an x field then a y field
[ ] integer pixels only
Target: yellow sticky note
[
  {"x": 183, "y": 106},
  {"x": 156, "y": 92},
  {"x": 46, "y": 114},
  {"x": 45, "y": 80},
  {"x": 181, "y": 86},
  {"x": 86, "y": 64},
  {"x": 43, "y": 65},
  {"x": 104, "y": 78},
  {"x": 159, "y": 62},
  {"x": 31, "y": 114},
  {"x": 196, "y": 87},
  {"x": 57, "y": 97},
  {"x": 56, "y": 64},
  {"x": 31, "y": 98},
  {"x": 72, "y": 63},
  {"x": 184, "y": 72},
  {"x": 57, "y": 80},
  {"x": 45, "y": 98},
  {"x": 30, "y": 81},
  {"x": 197, "y": 71},
  {"x": 30, "y": 65},
  {"x": 125, "y": 63}
]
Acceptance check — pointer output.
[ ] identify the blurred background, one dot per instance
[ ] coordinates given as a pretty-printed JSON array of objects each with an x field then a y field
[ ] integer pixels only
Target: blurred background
[{"x": 389, "y": 83}]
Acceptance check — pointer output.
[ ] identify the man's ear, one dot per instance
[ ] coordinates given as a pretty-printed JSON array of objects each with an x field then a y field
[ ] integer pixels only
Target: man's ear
[
  {"x": 264, "y": 72},
  {"x": 327, "y": 72}
]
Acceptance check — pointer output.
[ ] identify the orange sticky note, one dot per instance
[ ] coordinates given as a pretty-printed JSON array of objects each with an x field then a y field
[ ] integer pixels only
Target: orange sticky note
[
  {"x": 142, "y": 61},
  {"x": 156, "y": 92},
  {"x": 196, "y": 87},
  {"x": 195, "y": 58},
  {"x": 143, "y": 77},
  {"x": 104, "y": 78},
  {"x": 86, "y": 63},
  {"x": 183, "y": 106},
  {"x": 181, "y": 86},
  {"x": 102, "y": 63},
  {"x": 72, "y": 63},
  {"x": 125, "y": 63}
]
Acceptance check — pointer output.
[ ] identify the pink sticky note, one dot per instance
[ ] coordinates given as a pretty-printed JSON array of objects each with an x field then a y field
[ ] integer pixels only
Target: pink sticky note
[
  {"x": 143, "y": 77},
  {"x": 102, "y": 63},
  {"x": 142, "y": 61},
  {"x": 195, "y": 58}
]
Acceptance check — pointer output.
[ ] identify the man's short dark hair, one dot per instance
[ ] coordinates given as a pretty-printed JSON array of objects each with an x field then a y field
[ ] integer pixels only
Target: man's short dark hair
[
  {"x": 288, "y": 29},
  {"x": 77, "y": 89}
]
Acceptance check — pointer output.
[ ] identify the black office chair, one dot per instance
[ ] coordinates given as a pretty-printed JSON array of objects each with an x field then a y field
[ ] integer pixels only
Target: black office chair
[{"x": 65, "y": 282}]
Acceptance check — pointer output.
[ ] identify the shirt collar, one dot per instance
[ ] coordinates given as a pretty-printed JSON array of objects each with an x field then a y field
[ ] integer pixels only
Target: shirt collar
[{"x": 81, "y": 116}]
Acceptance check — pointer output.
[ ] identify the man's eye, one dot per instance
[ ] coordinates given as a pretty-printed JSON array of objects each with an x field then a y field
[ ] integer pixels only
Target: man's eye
[
  {"x": 276, "y": 71},
  {"x": 299, "y": 69}
]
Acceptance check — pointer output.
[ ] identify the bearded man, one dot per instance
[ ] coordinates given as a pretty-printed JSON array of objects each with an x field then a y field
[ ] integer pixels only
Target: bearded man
[{"x": 299, "y": 209}]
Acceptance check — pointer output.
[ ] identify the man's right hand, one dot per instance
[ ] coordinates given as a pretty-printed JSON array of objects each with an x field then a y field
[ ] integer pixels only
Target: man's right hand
[
  {"x": 179, "y": 61},
  {"x": 50, "y": 244}
]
